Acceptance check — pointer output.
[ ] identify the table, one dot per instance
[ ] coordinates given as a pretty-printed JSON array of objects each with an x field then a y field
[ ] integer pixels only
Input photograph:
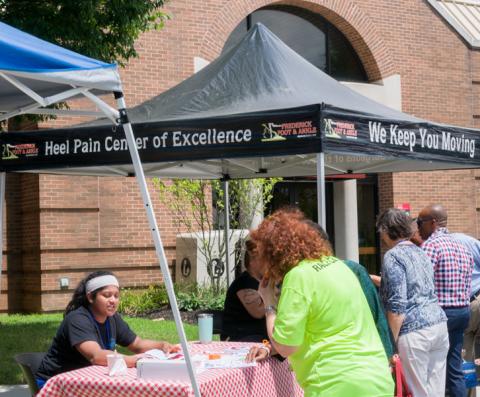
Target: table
[{"x": 269, "y": 378}]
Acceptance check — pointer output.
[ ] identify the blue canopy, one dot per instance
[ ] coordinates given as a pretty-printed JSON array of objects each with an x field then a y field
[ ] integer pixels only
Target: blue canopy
[
  {"x": 35, "y": 74},
  {"x": 32, "y": 69}
]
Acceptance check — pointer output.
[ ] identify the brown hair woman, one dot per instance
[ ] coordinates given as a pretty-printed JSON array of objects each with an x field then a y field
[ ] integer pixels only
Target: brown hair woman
[{"x": 322, "y": 322}]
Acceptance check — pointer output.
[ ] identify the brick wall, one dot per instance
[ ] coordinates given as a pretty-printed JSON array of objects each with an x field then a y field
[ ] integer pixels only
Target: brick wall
[
  {"x": 65, "y": 227},
  {"x": 90, "y": 223},
  {"x": 21, "y": 286},
  {"x": 456, "y": 190}
]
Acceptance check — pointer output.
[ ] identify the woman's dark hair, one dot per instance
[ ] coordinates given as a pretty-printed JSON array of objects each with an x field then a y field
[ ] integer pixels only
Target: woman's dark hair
[
  {"x": 79, "y": 297},
  {"x": 396, "y": 223},
  {"x": 321, "y": 232},
  {"x": 249, "y": 249}
]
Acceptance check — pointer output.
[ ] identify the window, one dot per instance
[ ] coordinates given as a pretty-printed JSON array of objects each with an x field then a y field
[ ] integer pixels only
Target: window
[{"x": 311, "y": 36}]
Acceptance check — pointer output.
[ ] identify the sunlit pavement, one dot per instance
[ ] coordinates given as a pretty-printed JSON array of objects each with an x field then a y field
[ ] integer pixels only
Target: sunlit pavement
[{"x": 14, "y": 391}]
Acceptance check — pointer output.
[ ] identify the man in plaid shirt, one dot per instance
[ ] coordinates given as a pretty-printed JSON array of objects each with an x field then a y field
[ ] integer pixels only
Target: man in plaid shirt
[{"x": 452, "y": 265}]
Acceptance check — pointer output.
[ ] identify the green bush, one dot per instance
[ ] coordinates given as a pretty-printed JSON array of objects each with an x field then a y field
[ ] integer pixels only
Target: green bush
[
  {"x": 137, "y": 302},
  {"x": 197, "y": 297},
  {"x": 190, "y": 297}
]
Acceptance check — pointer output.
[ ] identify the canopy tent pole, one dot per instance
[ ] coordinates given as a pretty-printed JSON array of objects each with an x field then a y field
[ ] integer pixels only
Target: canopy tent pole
[
  {"x": 3, "y": 177},
  {"x": 226, "y": 227},
  {"x": 322, "y": 219},
  {"x": 156, "y": 235}
]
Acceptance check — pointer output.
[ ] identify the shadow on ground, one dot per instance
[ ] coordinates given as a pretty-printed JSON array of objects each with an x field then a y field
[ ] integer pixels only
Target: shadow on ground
[{"x": 19, "y": 337}]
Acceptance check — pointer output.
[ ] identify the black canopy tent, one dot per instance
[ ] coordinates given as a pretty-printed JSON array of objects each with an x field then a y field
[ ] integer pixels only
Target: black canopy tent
[{"x": 258, "y": 110}]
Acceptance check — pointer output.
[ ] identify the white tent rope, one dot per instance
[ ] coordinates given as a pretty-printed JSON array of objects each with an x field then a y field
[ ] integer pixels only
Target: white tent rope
[
  {"x": 300, "y": 159},
  {"x": 115, "y": 170},
  {"x": 378, "y": 166},
  {"x": 165, "y": 166},
  {"x": 207, "y": 171},
  {"x": 238, "y": 163},
  {"x": 331, "y": 167}
]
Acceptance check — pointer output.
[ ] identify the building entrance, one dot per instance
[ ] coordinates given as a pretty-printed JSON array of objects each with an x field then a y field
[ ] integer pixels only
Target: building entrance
[{"x": 302, "y": 193}]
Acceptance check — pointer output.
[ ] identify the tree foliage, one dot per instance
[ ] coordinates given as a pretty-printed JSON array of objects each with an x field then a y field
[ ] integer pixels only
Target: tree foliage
[
  {"x": 193, "y": 208},
  {"x": 102, "y": 29}
]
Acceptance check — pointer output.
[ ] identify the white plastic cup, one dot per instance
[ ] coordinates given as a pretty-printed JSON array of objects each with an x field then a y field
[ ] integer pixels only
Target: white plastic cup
[{"x": 205, "y": 327}]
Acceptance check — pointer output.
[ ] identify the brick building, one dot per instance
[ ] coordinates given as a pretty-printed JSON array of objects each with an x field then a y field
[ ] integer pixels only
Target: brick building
[{"x": 413, "y": 55}]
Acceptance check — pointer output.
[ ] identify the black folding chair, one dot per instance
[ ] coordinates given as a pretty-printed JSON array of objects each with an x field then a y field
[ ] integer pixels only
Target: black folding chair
[{"x": 29, "y": 363}]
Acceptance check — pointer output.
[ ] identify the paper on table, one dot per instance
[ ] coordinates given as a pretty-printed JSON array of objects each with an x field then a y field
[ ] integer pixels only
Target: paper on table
[
  {"x": 228, "y": 361},
  {"x": 156, "y": 353},
  {"x": 241, "y": 351},
  {"x": 230, "y": 358}
]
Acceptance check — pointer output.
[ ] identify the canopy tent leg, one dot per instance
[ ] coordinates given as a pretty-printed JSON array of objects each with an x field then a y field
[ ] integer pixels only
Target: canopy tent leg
[
  {"x": 156, "y": 236},
  {"x": 3, "y": 177},
  {"x": 322, "y": 219},
  {"x": 226, "y": 228}
]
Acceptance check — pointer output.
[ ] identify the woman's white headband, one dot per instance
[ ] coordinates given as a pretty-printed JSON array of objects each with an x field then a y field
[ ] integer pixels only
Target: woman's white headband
[{"x": 100, "y": 282}]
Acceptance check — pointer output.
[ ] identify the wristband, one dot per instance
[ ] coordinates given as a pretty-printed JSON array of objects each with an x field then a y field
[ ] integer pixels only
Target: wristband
[
  {"x": 264, "y": 347},
  {"x": 270, "y": 309}
]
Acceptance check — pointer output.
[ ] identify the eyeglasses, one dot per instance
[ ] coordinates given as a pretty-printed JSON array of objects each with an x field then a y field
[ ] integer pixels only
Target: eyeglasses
[{"x": 420, "y": 221}]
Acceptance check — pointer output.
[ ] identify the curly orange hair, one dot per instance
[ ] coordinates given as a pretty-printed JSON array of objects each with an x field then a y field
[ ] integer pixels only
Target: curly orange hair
[{"x": 284, "y": 239}]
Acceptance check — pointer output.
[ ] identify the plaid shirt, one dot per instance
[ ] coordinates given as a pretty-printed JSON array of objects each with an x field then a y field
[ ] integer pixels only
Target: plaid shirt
[{"x": 452, "y": 266}]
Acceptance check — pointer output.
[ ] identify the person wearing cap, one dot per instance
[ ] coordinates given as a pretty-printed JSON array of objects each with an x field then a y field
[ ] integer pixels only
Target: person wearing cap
[{"x": 92, "y": 328}]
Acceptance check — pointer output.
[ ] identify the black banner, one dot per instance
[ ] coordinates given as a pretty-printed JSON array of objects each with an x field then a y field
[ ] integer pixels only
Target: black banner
[
  {"x": 289, "y": 131},
  {"x": 273, "y": 133},
  {"x": 354, "y": 133}
]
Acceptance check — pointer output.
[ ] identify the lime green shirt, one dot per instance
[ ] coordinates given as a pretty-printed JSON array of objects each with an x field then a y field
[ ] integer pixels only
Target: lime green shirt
[{"x": 324, "y": 312}]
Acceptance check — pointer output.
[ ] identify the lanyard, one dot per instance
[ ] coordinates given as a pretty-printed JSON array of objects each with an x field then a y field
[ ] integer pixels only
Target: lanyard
[{"x": 109, "y": 343}]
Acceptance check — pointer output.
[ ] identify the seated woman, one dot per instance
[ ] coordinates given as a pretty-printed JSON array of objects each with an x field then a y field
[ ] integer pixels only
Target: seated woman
[
  {"x": 322, "y": 321},
  {"x": 92, "y": 328},
  {"x": 243, "y": 311}
]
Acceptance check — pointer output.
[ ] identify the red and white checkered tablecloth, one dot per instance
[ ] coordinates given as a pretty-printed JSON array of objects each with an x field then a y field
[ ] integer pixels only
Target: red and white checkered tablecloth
[{"x": 268, "y": 378}]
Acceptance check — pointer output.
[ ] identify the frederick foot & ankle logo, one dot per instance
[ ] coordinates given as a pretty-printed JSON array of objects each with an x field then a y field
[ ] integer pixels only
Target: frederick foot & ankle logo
[
  {"x": 339, "y": 129},
  {"x": 270, "y": 133},
  {"x": 12, "y": 152},
  {"x": 279, "y": 132}
]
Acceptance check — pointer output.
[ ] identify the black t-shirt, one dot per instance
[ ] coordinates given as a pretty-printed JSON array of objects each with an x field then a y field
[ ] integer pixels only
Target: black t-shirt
[
  {"x": 78, "y": 326},
  {"x": 238, "y": 324}
]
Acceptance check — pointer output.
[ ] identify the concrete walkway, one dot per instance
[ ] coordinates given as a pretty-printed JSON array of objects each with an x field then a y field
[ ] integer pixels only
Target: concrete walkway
[{"x": 14, "y": 391}]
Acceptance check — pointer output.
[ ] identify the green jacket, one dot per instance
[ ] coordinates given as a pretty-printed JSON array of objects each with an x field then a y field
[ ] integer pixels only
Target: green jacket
[{"x": 375, "y": 306}]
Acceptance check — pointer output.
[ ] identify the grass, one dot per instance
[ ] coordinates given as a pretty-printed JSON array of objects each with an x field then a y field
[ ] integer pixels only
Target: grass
[{"x": 34, "y": 332}]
